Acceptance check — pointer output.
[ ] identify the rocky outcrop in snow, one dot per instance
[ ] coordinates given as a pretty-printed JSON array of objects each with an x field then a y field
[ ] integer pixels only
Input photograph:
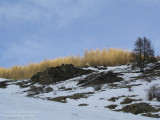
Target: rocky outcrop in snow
[{"x": 60, "y": 73}]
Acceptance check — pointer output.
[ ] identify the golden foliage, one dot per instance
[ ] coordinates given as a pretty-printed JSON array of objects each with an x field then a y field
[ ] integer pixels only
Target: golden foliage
[
  {"x": 96, "y": 57},
  {"x": 158, "y": 58}
]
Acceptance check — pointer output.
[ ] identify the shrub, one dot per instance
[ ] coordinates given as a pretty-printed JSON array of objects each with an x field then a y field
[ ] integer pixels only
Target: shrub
[
  {"x": 147, "y": 78},
  {"x": 98, "y": 87},
  {"x": 153, "y": 92},
  {"x": 130, "y": 88},
  {"x": 55, "y": 92}
]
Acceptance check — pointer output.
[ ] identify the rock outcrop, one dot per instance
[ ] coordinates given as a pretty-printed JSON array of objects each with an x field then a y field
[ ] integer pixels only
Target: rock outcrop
[
  {"x": 100, "y": 78},
  {"x": 3, "y": 84},
  {"x": 57, "y": 74}
]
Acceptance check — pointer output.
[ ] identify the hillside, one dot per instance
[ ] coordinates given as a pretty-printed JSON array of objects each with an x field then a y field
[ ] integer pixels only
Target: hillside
[{"x": 112, "y": 93}]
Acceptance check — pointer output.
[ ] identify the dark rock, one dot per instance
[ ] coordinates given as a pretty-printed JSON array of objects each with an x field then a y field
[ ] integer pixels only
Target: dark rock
[
  {"x": 82, "y": 82},
  {"x": 76, "y": 96},
  {"x": 48, "y": 89},
  {"x": 100, "y": 78},
  {"x": 60, "y": 73},
  {"x": 35, "y": 90},
  {"x": 113, "y": 99},
  {"x": 3, "y": 84},
  {"x": 138, "y": 108},
  {"x": 24, "y": 84},
  {"x": 151, "y": 115},
  {"x": 83, "y": 104},
  {"x": 129, "y": 100},
  {"x": 111, "y": 106},
  {"x": 102, "y": 68}
]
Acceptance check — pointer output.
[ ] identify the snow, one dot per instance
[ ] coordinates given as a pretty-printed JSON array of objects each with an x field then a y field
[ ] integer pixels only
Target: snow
[
  {"x": 2, "y": 79},
  {"x": 14, "y": 105}
]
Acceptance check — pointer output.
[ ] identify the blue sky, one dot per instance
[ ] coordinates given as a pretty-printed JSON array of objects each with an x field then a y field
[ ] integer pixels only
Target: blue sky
[{"x": 32, "y": 30}]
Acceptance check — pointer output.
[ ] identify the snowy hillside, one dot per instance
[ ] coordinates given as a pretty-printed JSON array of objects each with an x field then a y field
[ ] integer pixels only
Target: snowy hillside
[{"x": 68, "y": 100}]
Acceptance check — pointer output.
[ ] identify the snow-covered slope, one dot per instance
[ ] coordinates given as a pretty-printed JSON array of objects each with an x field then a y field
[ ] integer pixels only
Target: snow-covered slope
[{"x": 14, "y": 105}]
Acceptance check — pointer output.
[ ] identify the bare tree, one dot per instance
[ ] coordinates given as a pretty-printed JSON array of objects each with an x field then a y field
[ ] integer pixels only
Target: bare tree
[{"x": 143, "y": 52}]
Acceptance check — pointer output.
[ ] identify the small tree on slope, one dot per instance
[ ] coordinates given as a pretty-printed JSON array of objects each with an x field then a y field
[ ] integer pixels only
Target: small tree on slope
[{"x": 143, "y": 52}]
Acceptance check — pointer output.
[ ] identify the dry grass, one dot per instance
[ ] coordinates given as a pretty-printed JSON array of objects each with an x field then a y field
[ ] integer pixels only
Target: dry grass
[
  {"x": 158, "y": 58},
  {"x": 96, "y": 57}
]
